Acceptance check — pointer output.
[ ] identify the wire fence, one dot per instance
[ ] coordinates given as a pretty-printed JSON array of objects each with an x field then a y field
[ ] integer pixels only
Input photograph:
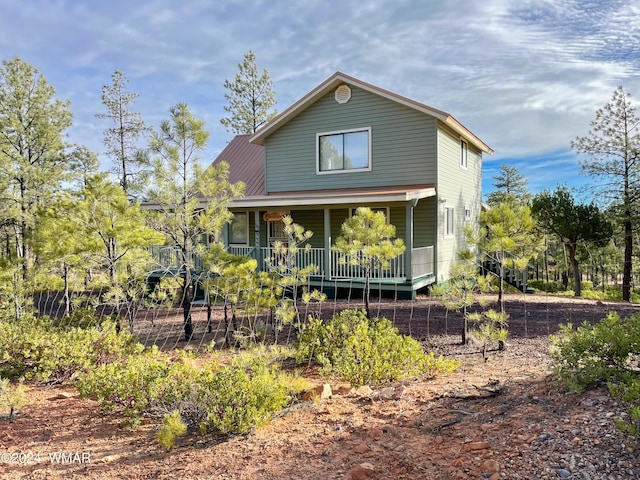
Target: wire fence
[{"x": 242, "y": 315}]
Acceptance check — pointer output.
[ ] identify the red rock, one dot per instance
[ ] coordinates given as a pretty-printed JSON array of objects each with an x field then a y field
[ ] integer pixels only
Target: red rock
[
  {"x": 363, "y": 447},
  {"x": 478, "y": 445},
  {"x": 490, "y": 466},
  {"x": 362, "y": 471},
  {"x": 319, "y": 392}
]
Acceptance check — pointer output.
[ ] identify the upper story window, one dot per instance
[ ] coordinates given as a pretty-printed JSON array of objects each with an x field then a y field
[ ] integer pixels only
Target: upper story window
[
  {"x": 463, "y": 154},
  {"x": 344, "y": 151}
]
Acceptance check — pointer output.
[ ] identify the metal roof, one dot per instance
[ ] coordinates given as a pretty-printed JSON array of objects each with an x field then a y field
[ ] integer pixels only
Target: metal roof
[{"x": 246, "y": 164}]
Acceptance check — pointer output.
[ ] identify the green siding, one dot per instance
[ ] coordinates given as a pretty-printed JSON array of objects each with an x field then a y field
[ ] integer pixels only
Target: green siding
[
  {"x": 403, "y": 145},
  {"x": 459, "y": 188},
  {"x": 338, "y": 216},
  {"x": 424, "y": 223},
  {"x": 312, "y": 220}
]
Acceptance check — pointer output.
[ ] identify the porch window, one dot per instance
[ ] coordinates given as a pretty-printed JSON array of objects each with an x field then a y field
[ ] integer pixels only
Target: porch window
[
  {"x": 448, "y": 220},
  {"x": 239, "y": 229},
  {"x": 344, "y": 151}
]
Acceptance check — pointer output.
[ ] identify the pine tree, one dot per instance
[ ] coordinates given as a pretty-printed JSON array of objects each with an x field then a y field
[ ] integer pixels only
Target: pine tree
[
  {"x": 613, "y": 147},
  {"x": 367, "y": 241},
  {"x": 187, "y": 202},
  {"x": 122, "y": 140},
  {"x": 251, "y": 98},
  {"x": 507, "y": 235},
  {"x": 511, "y": 186},
  {"x": 32, "y": 153}
]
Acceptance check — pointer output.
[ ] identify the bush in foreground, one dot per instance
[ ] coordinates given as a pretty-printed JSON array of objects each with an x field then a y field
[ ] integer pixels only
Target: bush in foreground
[
  {"x": 35, "y": 348},
  {"x": 366, "y": 352},
  {"x": 607, "y": 351},
  {"x": 208, "y": 396}
]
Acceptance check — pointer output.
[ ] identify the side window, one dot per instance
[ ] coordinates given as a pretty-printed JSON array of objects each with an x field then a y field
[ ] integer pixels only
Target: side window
[
  {"x": 448, "y": 220},
  {"x": 464, "y": 150}
]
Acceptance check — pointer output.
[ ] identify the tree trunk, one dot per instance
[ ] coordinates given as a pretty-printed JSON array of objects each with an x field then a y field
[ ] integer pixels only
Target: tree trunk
[
  {"x": 366, "y": 294},
  {"x": 187, "y": 298},
  {"x": 501, "y": 286},
  {"x": 628, "y": 252},
  {"x": 577, "y": 279},
  {"x": 67, "y": 297},
  {"x": 465, "y": 326}
]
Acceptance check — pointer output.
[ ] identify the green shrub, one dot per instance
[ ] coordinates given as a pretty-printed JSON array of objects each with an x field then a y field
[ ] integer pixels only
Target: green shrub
[
  {"x": 226, "y": 399},
  {"x": 608, "y": 351},
  {"x": 133, "y": 384},
  {"x": 628, "y": 390},
  {"x": 172, "y": 428},
  {"x": 364, "y": 351},
  {"x": 245, "y": 396},
  {"x": 34, "y": 348},
  {"x": 12, "y": 397},
  {"x": 591, "y": 353}
]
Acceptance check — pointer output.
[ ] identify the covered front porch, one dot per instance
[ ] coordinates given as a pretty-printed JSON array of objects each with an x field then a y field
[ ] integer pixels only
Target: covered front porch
[
  {"x": 329, "y": 267},
  {"x": 257, "y": 227}
]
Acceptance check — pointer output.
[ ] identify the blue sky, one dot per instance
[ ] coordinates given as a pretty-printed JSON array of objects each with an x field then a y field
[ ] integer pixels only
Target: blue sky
[{"x": 525, "y": 76}]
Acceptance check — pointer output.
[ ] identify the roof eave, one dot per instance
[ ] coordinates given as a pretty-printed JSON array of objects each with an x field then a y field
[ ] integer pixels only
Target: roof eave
[{"x": 271, "y": 201}]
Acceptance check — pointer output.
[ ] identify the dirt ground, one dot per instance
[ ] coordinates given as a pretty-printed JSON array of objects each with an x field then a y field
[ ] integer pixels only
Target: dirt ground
[{"x": 503, "y": 418}]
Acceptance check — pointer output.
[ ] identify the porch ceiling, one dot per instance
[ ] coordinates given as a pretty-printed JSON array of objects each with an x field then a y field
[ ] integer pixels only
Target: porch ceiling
[{"x": 403, "y": 193}]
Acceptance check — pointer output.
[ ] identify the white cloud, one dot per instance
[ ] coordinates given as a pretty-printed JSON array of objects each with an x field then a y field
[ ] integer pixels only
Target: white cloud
[{"x": 525, "y": 76}]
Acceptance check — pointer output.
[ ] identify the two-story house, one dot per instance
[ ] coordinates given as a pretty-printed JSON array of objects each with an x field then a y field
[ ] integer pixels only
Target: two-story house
[{"x": 348, "y": 144}]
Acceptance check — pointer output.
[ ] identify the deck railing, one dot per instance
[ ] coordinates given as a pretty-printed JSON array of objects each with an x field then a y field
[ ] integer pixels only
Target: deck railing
[
  {"x": 348, "y": 267},
  {"x": 422, "y": 262},
  {"x": 272, "y": 258}
]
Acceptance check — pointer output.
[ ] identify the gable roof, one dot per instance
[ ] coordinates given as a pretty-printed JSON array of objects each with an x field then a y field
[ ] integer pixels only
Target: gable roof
[
  {"x": 339, "y": 78},
  {"x": 246, "y": 164}
]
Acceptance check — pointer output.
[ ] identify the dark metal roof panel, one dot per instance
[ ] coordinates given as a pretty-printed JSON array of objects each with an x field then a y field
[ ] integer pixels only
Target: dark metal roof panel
[{"x": 246, "y": 164}]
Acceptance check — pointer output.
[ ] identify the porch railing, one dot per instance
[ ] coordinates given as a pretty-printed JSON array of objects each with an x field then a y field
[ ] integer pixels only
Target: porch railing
[
  {"x": 245, "y": 251},
  {"x": 271, "y": 258},
  {"x": 343, "y": 267},
  {"x": 170, "y": 258},
  {"x": 422, "y": 262}
]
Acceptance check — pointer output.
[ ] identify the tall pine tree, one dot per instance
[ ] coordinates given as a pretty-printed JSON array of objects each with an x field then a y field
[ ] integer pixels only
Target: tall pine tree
[
  {"x": 33, "y": 161},
  {"x": 613, "y": 149},
  {"x": 186, "y": 202},
  {"x": 251, "y": 98},
  {"x": 122, "y": 139}
]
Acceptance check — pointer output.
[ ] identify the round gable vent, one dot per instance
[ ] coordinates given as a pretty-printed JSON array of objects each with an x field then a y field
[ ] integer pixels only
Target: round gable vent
[{"x": 343, "y": 94}]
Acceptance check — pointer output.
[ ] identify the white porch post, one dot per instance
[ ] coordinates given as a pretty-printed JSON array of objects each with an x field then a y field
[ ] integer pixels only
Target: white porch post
[
  {"x": 327, "y": 244},
  {"x": 409, "y": 238}
]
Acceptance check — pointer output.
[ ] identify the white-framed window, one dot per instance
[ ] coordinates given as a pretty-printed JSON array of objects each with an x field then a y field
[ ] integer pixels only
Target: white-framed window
[
  {"x": 239, "y": 229},
  {"x": 464, "y": 151},
  {"x": 344, "y": 151},
  {"x": 385, "y": 210},
  {"x": 449, "y": 219},
  {"x": 467, "y": 214}
]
